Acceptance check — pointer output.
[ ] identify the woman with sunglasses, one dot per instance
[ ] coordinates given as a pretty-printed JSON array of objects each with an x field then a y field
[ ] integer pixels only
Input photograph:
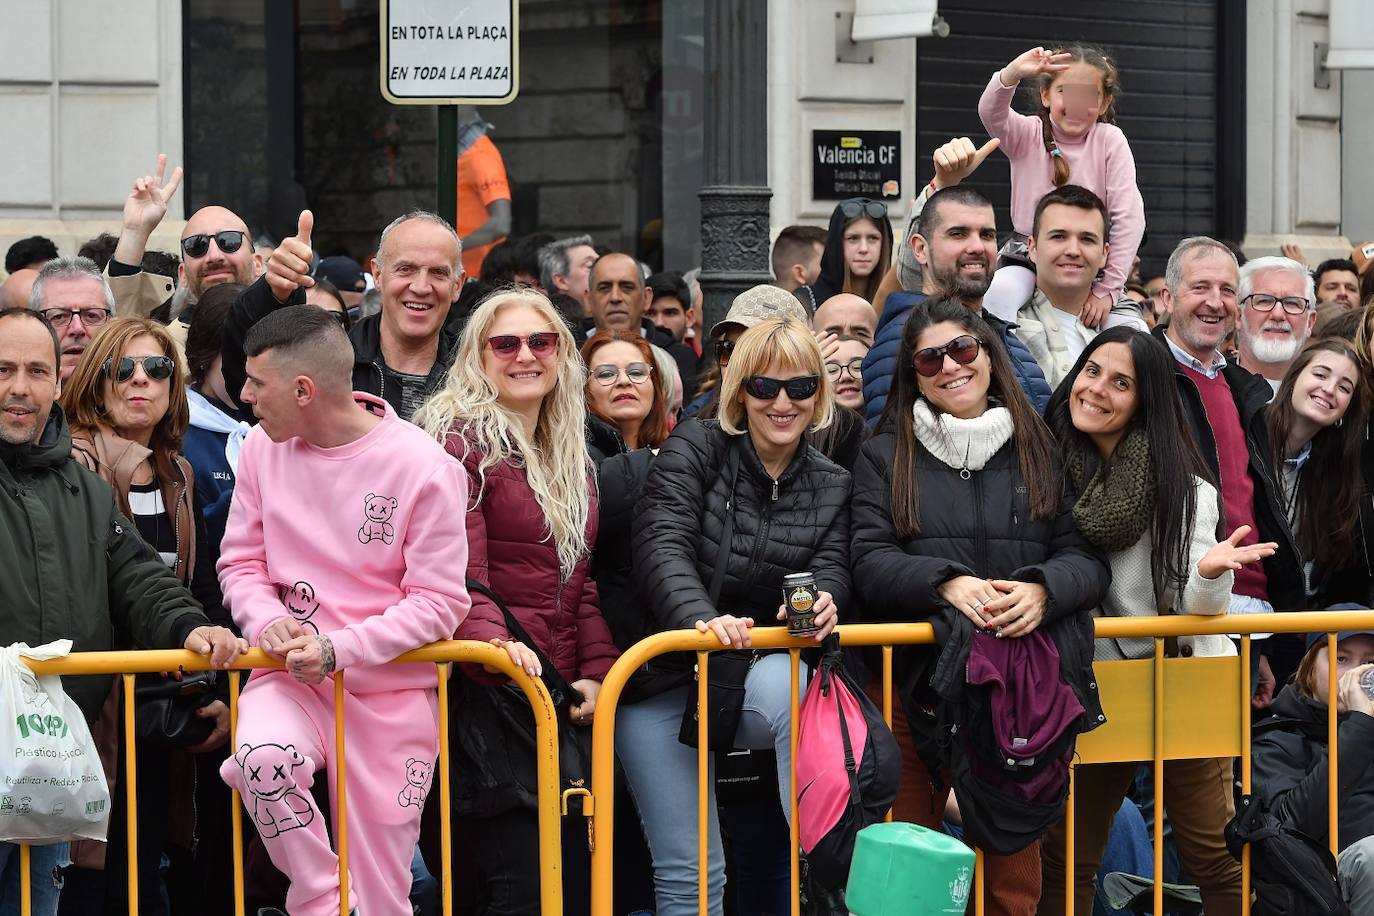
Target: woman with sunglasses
[
  {"x": 958, "y": 521},
  {"x": 126, "y": 403},
  {"x": 729, "y": 508},
  {"x": 513, "y": 411},
  {"x": 623, "y": 387},
  {"x": 858, "y": 251},
  {"x": 1143, "y": 495}
]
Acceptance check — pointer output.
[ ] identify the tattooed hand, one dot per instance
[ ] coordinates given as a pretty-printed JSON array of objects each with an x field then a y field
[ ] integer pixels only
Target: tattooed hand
[{"x": 309, "y": 658}]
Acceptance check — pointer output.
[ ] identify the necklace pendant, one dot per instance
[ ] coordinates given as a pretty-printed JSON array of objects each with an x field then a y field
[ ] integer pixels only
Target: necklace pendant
[{"x": 965, "y": 473}]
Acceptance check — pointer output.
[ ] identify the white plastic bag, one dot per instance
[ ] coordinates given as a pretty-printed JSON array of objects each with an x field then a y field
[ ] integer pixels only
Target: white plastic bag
[{"x": 52, "y": 787}]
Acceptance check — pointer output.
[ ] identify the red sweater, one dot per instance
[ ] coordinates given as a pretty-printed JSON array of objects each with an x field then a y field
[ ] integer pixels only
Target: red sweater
[{"x": 1237, "y": 489}]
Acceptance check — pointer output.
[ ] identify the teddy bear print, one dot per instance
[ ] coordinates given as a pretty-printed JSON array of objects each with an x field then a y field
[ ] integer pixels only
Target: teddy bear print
[
  {"x": 378, "y": 526},
  {"x": 300, "y": 600},
  {"x": 278, "y": 806},
  {"x": 417, "y": 775}
]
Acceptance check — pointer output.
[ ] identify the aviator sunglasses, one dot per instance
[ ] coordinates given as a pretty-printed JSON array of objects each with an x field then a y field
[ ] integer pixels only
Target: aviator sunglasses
[
  {"x": 766, "y": 389},
  {"x": 962, "y": 349},
  {"x": 155, "y": 367},
  {"x": 228, "y": 240},
  {"x": 506, "y": 346}
]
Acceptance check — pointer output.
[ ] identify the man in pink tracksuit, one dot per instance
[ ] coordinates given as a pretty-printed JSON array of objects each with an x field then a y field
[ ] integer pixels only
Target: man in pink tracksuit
[{"x": 345, "y": 547}]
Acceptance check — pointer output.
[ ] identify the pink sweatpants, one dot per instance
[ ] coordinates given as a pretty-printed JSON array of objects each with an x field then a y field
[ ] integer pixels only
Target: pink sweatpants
[{"x": 286, "y": 733}]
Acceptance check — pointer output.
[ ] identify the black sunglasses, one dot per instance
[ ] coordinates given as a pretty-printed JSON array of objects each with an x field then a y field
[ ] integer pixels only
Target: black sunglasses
[
  {"x": 766, "y": 389},
  {"x": 862, "y": 206},
  {"x": 155, "y": 367},
  {"x": 962, "y": 349},
  {"x": 723, "y": 350},
  {"x": 228, "y": 240}
]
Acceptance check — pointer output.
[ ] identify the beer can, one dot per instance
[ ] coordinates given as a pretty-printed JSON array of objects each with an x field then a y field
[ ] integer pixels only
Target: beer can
[{"x": 799, "y": 597}]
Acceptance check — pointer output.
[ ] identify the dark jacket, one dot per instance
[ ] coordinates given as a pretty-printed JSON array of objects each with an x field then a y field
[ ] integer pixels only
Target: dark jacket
[
  {"x": 980, "y": 526},
  {"x": 1288, "y": 757},
  {"x": 881, "y": 362},
  {"x": 77, "y": 568},
  {"x": 796, "y": 523},
  {"x": 510, "y": 552},
  {"x": 830, "y": 281},
  {"x": 370, "y": 372},
  {"x": 1283, "y": 570}
]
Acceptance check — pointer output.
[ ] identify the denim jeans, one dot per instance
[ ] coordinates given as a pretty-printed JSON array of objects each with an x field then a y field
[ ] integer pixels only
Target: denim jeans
[
  {"x": 662, "y": 776},
  {"x": 45, "y": 878}
]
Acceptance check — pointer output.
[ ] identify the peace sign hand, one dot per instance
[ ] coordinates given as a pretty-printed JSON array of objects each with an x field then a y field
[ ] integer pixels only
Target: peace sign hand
[
  {"x": 147, "y": 203},
  {"x": 1229, "y": 555},
  {"x": 1033, "y": 63}
]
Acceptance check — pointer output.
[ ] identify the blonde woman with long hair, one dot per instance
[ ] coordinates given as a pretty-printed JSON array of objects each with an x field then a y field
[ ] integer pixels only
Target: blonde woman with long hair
[{"x": 513, "y": 411}]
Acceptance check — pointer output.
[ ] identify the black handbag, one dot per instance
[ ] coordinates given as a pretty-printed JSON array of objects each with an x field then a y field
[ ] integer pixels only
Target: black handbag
[
  {"x": 165, "y": 708},
  {"x": 493, "y": 747},
  {"x": 727, "y": 670}
]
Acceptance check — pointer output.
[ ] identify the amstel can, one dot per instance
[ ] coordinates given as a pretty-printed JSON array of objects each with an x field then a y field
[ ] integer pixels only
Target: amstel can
[{"x": 799, "y": 597}]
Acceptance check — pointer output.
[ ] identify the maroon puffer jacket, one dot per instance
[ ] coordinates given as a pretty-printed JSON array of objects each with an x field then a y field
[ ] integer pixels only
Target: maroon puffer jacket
[{"x": 510, "y": 552}]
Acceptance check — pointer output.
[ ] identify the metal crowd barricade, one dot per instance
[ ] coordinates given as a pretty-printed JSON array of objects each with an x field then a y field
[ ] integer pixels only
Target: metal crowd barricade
[
  {"x": 127, "y": 664},
  {"x": 1142, "y": 724}
]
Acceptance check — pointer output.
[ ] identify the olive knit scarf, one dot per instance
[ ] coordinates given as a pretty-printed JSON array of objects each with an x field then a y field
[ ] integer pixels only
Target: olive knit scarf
[{"x": 1116, "y": 506}]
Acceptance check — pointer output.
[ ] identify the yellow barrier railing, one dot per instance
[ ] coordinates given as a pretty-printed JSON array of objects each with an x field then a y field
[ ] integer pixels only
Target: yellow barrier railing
[
  {"x": 1133, "y": 694},
  {"x": 127, "y": 664}
]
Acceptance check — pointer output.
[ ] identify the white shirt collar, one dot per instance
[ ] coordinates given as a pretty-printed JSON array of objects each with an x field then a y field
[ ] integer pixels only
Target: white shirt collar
[{"x": 1192, "y": 362}]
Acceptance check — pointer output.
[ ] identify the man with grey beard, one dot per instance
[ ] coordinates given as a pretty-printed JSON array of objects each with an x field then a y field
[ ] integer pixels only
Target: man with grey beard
[{"x": 1276, "y": 315}]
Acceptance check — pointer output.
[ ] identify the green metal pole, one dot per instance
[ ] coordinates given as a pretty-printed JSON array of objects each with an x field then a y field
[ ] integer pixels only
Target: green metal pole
[{"x": 446, "y": 202}]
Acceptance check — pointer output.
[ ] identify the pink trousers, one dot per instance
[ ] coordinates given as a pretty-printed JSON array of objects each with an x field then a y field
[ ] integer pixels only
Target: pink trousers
[{"x": 285, "y": 734}]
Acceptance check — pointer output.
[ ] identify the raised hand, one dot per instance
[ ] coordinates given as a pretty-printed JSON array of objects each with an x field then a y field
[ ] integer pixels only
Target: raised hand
[
  {"x": 147, "y": 202},
  {"x": 289, "y": 266},
  {"x": 1293, "y": 250},
  {"x": 1033, "y": 63},
  {"x": 958, "y": 159},
  {"x": 1228, "y": 554}
]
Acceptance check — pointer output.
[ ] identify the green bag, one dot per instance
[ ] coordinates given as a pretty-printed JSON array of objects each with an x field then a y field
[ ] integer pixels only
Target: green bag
[{"x": 906, "y": 870}]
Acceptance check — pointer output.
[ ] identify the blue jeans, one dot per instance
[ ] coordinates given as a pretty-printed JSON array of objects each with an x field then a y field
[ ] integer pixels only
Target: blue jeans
[
  {"x": 662, "y": 776},
  {"x": 45, "y": 878}
]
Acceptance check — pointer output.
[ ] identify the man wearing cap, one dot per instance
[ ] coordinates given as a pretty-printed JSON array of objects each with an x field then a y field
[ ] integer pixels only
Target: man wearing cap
[
  {"x": 748, "y": 309},
  {"x": 1290, "y": 757},
  {"x": 617, "y": 300},
  {"x": 347, "y": 276}
]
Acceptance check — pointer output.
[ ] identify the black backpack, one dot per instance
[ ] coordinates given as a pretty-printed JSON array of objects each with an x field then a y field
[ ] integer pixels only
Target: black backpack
[{"x": 1293, "y": 874}]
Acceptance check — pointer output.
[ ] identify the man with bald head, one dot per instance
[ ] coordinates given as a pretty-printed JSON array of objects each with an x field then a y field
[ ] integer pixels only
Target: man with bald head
[
  {"x": 215, "y": 248},
  {"x": 617, "y": 299},
  {"x": 846, "y": 315},
  {"x": 400, "y": 354},
  {"x": 14, "y": 292}
]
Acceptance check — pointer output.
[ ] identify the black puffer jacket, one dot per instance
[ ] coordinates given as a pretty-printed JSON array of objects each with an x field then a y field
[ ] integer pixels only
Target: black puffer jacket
[
  {"x": 979, "y": 526},
  {"x": 1290, "y": 769},
  {"x": 796, "y": 523}
]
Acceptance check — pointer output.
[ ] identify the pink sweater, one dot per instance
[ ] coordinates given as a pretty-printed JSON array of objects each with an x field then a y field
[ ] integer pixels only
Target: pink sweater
[
  {"x": 1100, "y": 161},
  {"x": 365, "y": 543}
]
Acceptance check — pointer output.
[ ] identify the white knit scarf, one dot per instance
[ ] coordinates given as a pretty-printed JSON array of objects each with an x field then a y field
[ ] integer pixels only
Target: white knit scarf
[{"x": 962, "y": 444}]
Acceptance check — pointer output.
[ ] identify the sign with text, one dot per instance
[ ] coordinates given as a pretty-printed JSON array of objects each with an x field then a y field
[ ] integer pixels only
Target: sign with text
[
  {"x": 856, "y": 163},
  {"x": 442, "y": 52}
]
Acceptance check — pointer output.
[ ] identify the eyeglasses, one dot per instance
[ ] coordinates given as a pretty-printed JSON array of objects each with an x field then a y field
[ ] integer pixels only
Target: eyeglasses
[
  {"x": 157, "y": 368},
  {"x": 962, "y": 349},
  {"x": 855, "y": 367},
  {"x": 1263, "y": 302},
  {"x": 60, "y": 318},
  {"x": 507, "y": 346},
  {"x": 766, "y": 389},
  {"x": 723, "y": 350},
  {"x": 228, "y": 240},
  {"x": 608, "y": 375},
  {"x": 862, "y": 206}
]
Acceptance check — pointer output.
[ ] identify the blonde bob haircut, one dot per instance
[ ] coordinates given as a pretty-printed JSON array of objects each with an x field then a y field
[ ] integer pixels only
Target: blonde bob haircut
[
  {"x": 781, "y": 341},
  {"x": 556, "y": 463},
  {"x": 83, "y": 397}
]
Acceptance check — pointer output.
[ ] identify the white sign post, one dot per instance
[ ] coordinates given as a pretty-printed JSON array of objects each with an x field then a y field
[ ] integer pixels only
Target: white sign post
[{"x": 450, "y": 52}]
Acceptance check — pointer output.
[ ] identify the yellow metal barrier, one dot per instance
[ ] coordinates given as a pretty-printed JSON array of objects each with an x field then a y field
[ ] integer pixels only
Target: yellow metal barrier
[
  {"x": 1141, "y": 725},
  {"x": 127, "y": 664}
]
